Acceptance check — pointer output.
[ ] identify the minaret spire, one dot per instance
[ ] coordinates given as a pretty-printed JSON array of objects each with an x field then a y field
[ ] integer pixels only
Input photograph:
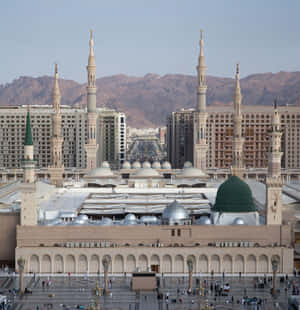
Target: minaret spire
[
  {"x": 238, "y": 140},
  {"x": 27, "y": 187},
  {"x": 200, "y": 115},
  {"x": 91, "y": 147},
  {"x": 56, "y": 96},
  {"x": 273, "y": 182},
  {"x": 56, "y": 169}
]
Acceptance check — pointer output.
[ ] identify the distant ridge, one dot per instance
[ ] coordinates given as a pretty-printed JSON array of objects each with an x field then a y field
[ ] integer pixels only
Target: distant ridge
[{"x": 148, "y": 100}]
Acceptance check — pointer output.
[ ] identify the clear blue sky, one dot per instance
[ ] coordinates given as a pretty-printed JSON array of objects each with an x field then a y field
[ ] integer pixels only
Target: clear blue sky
[{"x": 136, "y": 37}]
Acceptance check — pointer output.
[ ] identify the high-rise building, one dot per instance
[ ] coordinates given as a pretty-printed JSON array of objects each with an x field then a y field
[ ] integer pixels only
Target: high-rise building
[
  {"x": 229, "y": 137},
  {"x": 110, "y": 124},
  {"x": 256, "y": 120}
]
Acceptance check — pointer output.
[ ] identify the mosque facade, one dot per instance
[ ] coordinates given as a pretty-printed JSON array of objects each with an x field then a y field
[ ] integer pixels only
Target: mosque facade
[{"x": 150, "y": 217}]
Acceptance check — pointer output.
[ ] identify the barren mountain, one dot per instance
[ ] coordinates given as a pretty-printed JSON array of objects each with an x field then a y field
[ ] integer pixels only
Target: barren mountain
[{"x": 148, "y": 100}]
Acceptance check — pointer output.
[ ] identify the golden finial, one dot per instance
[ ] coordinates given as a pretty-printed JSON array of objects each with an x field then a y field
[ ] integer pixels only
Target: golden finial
[
  {"x": 56, "y": 69},
  {"x": 201, "y": 34},
  {"x": 237, "y": 68},
  {"x": 91, "y": 33}
]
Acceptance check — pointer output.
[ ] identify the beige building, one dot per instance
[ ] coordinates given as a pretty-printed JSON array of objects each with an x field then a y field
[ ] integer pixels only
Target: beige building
[
  {"x": 256, "y": 120},
  {"x": 111, "y": 139}
]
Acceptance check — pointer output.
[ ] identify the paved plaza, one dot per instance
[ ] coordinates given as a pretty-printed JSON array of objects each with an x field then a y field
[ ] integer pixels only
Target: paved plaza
[{"x": 78, "y": 292}]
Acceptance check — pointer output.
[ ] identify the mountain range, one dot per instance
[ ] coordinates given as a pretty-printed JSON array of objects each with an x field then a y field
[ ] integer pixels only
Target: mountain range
[{"x": 149, "y": 99}]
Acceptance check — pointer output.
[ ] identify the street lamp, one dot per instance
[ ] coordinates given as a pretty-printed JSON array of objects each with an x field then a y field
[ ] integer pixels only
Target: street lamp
[
  {"x": 105, "y": 263},
  {"x": 190, "y": 264},
  {"x": 275, "y": 265},
  {"x": 21, "y": 264}
]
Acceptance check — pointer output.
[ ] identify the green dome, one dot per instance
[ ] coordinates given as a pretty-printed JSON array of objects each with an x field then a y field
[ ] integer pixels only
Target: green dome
[{"x": 234, "y": 195}]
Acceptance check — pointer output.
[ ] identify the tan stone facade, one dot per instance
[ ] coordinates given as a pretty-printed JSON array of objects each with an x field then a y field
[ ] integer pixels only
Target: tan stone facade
[{"x": 164, "y": 248}]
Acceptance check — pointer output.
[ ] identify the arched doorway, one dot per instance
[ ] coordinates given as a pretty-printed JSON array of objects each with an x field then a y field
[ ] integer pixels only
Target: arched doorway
[
  {"x": 70, "y": 264},
  {"x": 143, "y": 263},
  {"x": 166, "y": 264},
  {"x": 46, "y": 264},
  {"x": 94, "y": 264},
  {"x": 215, "y": 264},
  {"x": 58, "y": 264},
  {"x": 251, "y": 264},
  {"x": 131, "y": 264},
  {"x": 34, "y": 264},
  {"x": 82, "y": 264},
  {"x": 263, "y": 265},
  {"x": 227, "y": 264},
  {"x": 203, "y": 264},
  {"x": 179, "y": 264},
  {"x": 239, "y": 264},
  {"x": 118, "y": 264}
]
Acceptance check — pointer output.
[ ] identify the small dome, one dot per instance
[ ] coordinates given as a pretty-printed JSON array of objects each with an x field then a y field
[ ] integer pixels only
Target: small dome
[
  {"x": 126, "y": 165},
  {"x": 149, "y": 219},
  {"x": 175, "y": 212},
  {"x": 204, "y": 220},
  {"x": 136, "y": 165},
  {"x": 156, "y": 165},
  {"x": 130, "y": 219},
  {"x": 147, "y": 173},
  {"x": 238, "y": 221},
  {"x": 80, "y": 220},
  {"x": 234, "y": 195},
  {"x": 146, "y": 164},
  {"x": 106, "y": 221},
  {"x": 192, "y": 172},
  {"x": 166, "y": 165},
  {"x": 187, "y": 164},
  {"x": 105, "y": 164},
  {"x": 100, "y": 172}
]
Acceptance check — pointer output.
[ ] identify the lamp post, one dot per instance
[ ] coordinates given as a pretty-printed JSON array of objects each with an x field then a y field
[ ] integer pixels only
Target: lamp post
[
  {"x": 275, "y": 265},
  {"x": 21, "y": 265},
  {"x": 105, "y": 263},
  {"x": 190, "y": 264}
]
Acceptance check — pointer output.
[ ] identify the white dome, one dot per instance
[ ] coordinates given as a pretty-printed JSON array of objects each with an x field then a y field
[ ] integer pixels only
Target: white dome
[
  {"x": 175, "y": 212},
  {"x": 238, "y": 221},
  {"x": 146, "y": 173},
  {"x": 204, "y": 220},
  {"x": 126, "y": 165},
  {"x": 136, "y": 165},
  {"x": 187, "y": 164},
  {"x": 156, "y": 165},
  {"x": 149, "y": 219},
  {"x": 101, "y": 172},
  {"x": 166, "y": 165},
  {"x": 80, "y": 220},
  {"x": 106, "y": 221},
  {"x": 146, "y": 164},
  {"x": 192, "y": 172},
  {"x": 105, "y": 164},
  {"x": 130, "y": 219}
]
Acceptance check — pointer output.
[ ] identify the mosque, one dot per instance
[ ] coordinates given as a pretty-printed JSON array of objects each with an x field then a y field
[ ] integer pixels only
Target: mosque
[{"x": 150, "y": 217}]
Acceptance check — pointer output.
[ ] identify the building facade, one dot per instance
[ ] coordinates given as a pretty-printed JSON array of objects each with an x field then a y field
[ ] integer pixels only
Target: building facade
[
  {"x": 111, "y": 140},
  {"x": 256, "y": 120}
]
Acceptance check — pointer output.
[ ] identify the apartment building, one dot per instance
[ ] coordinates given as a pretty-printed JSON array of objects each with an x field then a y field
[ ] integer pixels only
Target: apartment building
[
  {"x": 256, "y": 121},
  {"x": 111, "y": 135}
]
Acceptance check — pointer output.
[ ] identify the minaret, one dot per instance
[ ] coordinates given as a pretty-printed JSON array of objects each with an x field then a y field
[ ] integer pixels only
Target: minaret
[
  {"x": 91, "y": 147},
  {"x": 237, "y": 167},
  {"x": 200, "y": 115},
  {"x": 28, "y": 187},
  {"x": 56, "y": 169},
  {"x": 273, "y": 182}
]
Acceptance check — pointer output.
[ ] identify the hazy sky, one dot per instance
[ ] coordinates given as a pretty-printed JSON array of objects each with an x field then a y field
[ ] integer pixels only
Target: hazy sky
[{"x": 136, "y": 37}]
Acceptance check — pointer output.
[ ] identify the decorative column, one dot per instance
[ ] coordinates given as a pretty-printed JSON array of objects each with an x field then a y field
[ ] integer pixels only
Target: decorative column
[
  {"x": 91, "y": 147},
  {"x": 190, "y": 264},
  {"x": 105, "y": 263},
  {"x": 200, "y": 114},
  {"x": 21, "y": 266},
  {"x": 274, "y": 182},
  {"x": 237, "y": 167},
  {"x": 275, "y": 265},
  {"x": 57, "y": 168}
]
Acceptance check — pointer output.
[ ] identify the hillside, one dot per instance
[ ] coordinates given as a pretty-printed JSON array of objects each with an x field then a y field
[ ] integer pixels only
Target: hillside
[{"x": 148, "y": 100}]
